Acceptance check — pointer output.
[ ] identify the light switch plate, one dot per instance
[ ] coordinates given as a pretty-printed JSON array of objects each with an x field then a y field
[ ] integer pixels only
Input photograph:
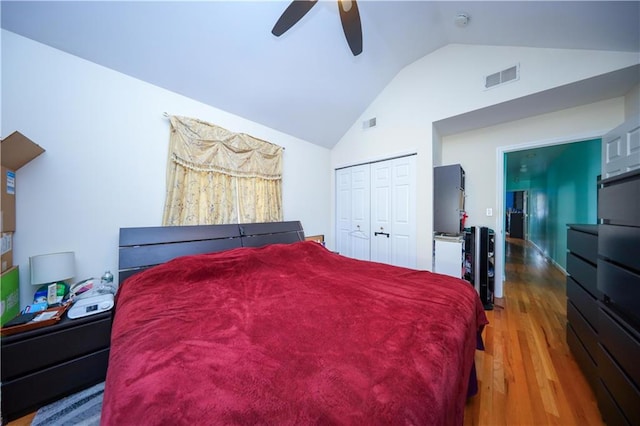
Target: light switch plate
[{"x": 489, "y": 212}]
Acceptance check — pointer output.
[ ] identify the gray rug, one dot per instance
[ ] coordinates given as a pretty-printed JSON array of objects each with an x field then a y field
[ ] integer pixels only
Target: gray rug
[{"x": 82, "y": 408}]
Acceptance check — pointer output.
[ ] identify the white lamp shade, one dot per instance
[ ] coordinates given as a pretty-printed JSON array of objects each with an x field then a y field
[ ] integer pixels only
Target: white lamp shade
[{"x": 51, "y": 268}]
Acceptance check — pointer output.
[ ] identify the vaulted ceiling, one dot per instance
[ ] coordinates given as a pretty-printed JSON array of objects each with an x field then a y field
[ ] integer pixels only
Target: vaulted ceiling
[{"x": 305, "y": 83}]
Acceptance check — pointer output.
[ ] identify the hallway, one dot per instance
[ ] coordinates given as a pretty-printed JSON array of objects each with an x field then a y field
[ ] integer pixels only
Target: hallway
[{"x": 527, "y": 376}]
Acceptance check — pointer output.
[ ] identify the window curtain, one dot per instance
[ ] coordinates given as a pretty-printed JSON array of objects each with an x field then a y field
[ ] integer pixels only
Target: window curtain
[{"x": 215, "y": 176}]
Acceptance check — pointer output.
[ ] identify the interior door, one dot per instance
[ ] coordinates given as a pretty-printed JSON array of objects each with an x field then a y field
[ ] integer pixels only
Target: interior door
[
  {"x": 403, "y": 237},
  {"x": 353, "y": 211},
  {"x": 393, "y": 222},
  {"x": 360, "y": 212},
  {"x": 343, "y": 211},
  {"x": 381, "y": 205}
]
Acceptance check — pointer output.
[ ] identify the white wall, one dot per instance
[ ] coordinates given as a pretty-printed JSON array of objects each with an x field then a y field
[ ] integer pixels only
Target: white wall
[
  {"x": 481, "y": 154},
  {"x": 632, "y": 103},
  {"x": 447, "y": 83},
  {"x": 477, "y": 150},
  {"x": 106, "y": 144}
]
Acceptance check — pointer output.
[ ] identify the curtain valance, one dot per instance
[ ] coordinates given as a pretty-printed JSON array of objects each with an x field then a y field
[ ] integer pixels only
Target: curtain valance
[{"x": 203, "y": 146}]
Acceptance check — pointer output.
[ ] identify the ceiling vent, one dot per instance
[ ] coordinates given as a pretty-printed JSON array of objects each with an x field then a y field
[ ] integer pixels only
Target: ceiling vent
[
  {"x": 369, "y": 123},
  {"x": 501, "y": 77}
]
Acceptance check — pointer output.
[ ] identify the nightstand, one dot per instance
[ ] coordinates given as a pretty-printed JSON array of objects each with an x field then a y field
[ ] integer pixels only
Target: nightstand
[{"x": 43, "y": 365}]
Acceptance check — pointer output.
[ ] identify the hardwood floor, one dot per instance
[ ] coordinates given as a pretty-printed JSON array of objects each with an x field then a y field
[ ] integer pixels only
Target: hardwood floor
[{"x": 527, "y": 375}]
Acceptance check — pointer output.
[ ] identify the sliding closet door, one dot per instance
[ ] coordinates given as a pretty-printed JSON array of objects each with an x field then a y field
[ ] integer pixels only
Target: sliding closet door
[
  {"x": 375, "y": 212},
  {"x": 353, "y": 211},
  {"x": 393, "y": 221}
]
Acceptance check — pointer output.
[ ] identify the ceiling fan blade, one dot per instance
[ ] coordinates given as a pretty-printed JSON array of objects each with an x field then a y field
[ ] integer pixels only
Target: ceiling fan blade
[
  {"x": 291, "y": 15},
  {"x": 350, "y": 17}
]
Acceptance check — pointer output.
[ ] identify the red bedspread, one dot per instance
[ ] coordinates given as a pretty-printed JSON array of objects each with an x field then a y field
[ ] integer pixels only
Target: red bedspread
[{"x": 290, "y": 334}]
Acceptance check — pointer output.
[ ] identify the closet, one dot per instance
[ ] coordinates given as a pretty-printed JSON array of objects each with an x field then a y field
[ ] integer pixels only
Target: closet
[{"x": 375, "y": 211}]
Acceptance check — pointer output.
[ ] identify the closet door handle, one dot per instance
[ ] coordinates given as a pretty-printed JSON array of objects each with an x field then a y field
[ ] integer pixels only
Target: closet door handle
[{"x": 381, "y": 233}]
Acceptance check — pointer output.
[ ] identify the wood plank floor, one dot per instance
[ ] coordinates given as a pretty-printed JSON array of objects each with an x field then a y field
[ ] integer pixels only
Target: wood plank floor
[{"x": 527, "y": 375}]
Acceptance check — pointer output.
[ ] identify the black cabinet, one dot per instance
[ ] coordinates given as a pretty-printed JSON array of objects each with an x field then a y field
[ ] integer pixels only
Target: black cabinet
[
  {"x": 582, "y": 297},
  {"x": 43, "y": 365},
  {"x": 516, "y": 225},
  {"x": 486, "y": 266},
  {"x": 479, "y": 262},
  {"x": 618, "y": 281}
]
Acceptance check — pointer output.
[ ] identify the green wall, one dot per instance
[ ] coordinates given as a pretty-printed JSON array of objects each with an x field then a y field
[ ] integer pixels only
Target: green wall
[{"x": 567, "y": 193}]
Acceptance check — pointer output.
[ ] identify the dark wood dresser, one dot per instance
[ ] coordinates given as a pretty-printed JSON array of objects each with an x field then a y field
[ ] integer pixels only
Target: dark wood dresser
[
  {"x": 618, "y": 280},
  {"x": 582, "y": 298},
  {"x": 43, "y": 365}
]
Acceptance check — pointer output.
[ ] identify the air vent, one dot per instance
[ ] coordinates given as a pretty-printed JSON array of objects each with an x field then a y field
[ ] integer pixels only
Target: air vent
[
  {"x": 369, "y": 123},
  {"x": 501, "y": 77}
]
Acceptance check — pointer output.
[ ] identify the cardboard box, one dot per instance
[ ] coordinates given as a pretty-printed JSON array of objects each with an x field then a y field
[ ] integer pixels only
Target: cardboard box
[
  {"x": 7, "y": 250},
  {"x": 17, "y": 150},
  {"x": 9, "y": 294}
]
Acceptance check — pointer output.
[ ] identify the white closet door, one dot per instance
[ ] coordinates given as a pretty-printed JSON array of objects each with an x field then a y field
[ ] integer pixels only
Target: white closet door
[
  {"x": 404, "y": 245},
  {"x": 353, "y": 211},
  {"x": 393, "y": 221},
  {"x": 360, "y": 212},
  {"x": 381, "y": 205},
  {"x": 343, "y": 211}
]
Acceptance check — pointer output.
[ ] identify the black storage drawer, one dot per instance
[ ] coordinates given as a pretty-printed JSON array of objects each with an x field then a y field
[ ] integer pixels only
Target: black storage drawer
[
  {"x": 619, "y": 200},
  {"x": 582, "y": 240},
  {"x": 583, "y": 330},
  {"x": 620, "y": 244},
  {"x": 622, "y": 286},
  {"x": 623, "y": 391},
  {"x": 584, "y": 273},
  {"x": 621, "y": 342},
  {"x": 585, "y": 303},
  {"x": 583, "y": 358},
  {"x": 611, "y": 413},
  {"x": 26, "y": 394},
  {"x": 21, "y": 357}
]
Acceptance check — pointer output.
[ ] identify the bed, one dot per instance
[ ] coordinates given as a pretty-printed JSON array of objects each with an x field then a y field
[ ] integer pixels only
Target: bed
[{"x": 250, "y": 324}]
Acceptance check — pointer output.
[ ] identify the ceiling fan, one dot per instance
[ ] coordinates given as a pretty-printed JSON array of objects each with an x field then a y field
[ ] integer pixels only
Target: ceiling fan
[{"x": 349, "y": 16}]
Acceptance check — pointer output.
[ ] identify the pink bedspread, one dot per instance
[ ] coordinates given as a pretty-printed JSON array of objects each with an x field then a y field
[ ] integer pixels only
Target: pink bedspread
[{"x": 290, "y": 335}]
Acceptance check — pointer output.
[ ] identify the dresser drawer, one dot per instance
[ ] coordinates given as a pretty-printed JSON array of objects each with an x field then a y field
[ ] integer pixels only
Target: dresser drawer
[
  {"x": 28, "y": 393},
  {"x": 22, "y": 356},
  {"x": 620, "y": 244},
  {"x": 583, "y": 272},
  {"x": 583, "y": 330},
  {"x": 611, "y": 413},
  {"x": 621, "y": 343},
  {"x": 583, "y": 301},
  {"x": 583, "y": 358},
  {"x": 622, "y": 286},
  {"x": 583, "y": 244},
  {"x": 620, "y": 387},
  {"x": 618, "y": 200}
]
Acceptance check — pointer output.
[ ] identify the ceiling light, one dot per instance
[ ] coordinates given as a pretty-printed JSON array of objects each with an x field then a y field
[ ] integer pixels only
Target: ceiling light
[{"x": 461, "y": 20}]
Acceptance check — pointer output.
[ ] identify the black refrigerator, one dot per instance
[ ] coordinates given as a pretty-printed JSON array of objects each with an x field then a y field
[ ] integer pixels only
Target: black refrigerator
[{"x": 448, "y": 199}]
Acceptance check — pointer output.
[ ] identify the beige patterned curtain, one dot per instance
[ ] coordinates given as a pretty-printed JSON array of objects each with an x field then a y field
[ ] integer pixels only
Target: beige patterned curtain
[{"x": 215, "y": 176}]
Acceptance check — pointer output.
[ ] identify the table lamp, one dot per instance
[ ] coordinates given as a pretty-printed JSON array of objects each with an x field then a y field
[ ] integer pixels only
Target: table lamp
[{"x": 50, "y": 271}]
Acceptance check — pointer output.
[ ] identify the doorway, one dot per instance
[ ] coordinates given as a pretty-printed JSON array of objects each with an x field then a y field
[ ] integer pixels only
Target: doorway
[{"x": 558, "y": 181}]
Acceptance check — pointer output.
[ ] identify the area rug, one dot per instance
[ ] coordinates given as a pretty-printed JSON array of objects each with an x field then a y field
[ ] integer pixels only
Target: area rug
[{"x": 82, "y": 408}]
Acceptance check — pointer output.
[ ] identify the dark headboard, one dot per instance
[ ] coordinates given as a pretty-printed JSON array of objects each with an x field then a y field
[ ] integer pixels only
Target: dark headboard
[{"x": 142, "y": 248}]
